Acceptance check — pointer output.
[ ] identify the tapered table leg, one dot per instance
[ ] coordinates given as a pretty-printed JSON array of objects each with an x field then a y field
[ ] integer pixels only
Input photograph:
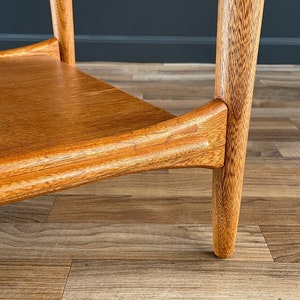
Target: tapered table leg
[{"x": 239, "y": 24}]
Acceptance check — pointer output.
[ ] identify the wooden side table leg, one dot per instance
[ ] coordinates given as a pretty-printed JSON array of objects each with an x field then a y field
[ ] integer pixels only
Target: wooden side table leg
[{"x": 239, "y": 24}]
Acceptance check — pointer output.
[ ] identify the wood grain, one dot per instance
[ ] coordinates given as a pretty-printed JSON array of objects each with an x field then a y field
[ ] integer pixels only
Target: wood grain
[
  {"x": 48, "y": 150},
  {"x": 34, "y": 210},
  {"x": 122, "y": 241},
  {"x": 262, "y": 149},
  {"x": 32, "y": 279},
  {"x": 271, "y": 124},
  {"x": 131, "y": 209},
  {"x": 275, "y": 176},
  {"x": 174, "y": 197},
  {"x": 289, "y": 149},
  {"x": 166, "y": 210},
  {"x": 239, "y": 24},
  {"x": 181, "y": 280},
  {"x": 76, "y": 107},
  {"x": 178, "y": 183},
  {"x": 63, "y": 28},
  {"x": 275, "y": 134},
  {"x": 31, "y": 123},
  {"x": 283, "y": 241},
  {"x": 49, "y": 47},
  {"x": 197, "y": 139}
]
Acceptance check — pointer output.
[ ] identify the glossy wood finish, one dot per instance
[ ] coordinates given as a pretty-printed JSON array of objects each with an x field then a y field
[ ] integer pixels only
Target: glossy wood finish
[
  {"x": 64, "y": 106},
  {"x": 44, "y": 151},
  {"x": 63, "y": 28},
  {"x": 74, "y": 113},
  {"x": 49, "y": 47},
  {"x": 239, "y": 24}
]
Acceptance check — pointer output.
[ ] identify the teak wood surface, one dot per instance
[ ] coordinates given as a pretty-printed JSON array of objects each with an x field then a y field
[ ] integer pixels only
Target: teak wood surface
[{"x": 62, "y": 128}]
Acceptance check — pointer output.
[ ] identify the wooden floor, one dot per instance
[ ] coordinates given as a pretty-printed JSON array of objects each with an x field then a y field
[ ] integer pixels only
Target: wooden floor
[{"x": 148, "y": 236}]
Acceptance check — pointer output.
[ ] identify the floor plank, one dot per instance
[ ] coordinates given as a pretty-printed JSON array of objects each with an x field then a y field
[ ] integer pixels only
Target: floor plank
[
  {"x": 289, "y": 149},
  {"x": 168, "y": 210},
  {"x": 181, "y": 280},
  {"x": 158, "y": 184},
  {"x": 283, "y": 241},
  {"x": 262, "y": 149},
  {"x": 28, "y": 211},
  {"x": 130, "y": 210},
  {"x": 122, "y": 241},
  {"x": 32, "y": 279},
  {"x": 272, "y": 124}
]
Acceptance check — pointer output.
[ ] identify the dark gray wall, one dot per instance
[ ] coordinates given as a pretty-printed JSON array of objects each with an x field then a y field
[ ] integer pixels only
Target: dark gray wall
[{"x": 150, "y": 30}]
